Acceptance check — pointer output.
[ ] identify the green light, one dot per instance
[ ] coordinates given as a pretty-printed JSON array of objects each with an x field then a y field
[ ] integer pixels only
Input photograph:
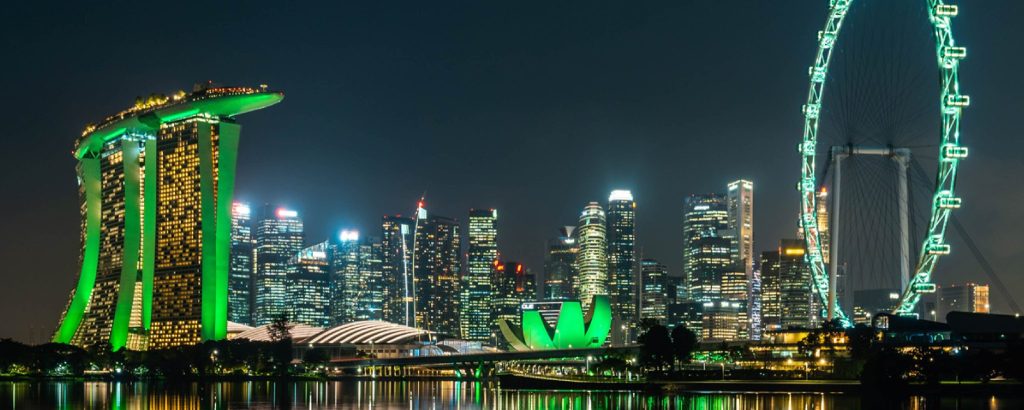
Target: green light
[
  {"x": 226, "y": 162},
  {"x": 208, "y": 226},
  {"x": 130, "y": 247},
  {"x": 572, "y": 330},
  {"x": 89, "y": 173},
  {"x": 149, "y": 233}
]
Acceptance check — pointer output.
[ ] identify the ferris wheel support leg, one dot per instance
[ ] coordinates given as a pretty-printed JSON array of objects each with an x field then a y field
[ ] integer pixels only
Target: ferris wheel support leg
[
  {"x": 902, "y": 158},
  {"x": 838, "y": 154}
]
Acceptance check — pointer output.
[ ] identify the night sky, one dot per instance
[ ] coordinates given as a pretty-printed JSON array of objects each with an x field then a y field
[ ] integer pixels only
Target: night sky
[{"x": 534, "y": 108}]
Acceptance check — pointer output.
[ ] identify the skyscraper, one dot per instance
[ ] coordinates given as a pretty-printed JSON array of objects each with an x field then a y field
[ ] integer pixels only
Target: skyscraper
[
  {"x": 653, "y": 276},
  {"x": 621, "y": 233},
  {"x": 156, "y": 183},
  {"x": 240, "y": 279},
  {"x": 279, "y": 237},
  {"x": 706, "y": 245},
  {"x": 308, "y": 286},
  {"x": 512, "y": 285},
  {"x": 795, "y": 291},
  {"x": 771, "y": 291},
  {"x": 592, "y": 259},
  {"x": 741, "y": 223},
  {"x": 476, "y": 317},
  {"x": 437, "y": 264},
  {"x": 357, "y": 277},
  {"x": 560, "y": 265},
  {"x": 398, "y": 291}
]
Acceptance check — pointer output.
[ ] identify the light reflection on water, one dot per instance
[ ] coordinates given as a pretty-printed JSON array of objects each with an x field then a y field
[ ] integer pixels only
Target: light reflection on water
[{"x": 414, "y": 395}]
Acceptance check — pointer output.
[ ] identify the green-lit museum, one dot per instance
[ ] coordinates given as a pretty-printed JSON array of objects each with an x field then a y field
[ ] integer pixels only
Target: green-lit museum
[{"x": 560, "y": 325}]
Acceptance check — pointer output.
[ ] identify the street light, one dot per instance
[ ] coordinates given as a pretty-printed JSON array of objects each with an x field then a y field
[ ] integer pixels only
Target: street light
[{"x": 589, "y": 358}]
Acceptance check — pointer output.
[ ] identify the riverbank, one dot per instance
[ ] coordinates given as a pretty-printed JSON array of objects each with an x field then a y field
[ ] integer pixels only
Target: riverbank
[{"x": 530, "y": 382}]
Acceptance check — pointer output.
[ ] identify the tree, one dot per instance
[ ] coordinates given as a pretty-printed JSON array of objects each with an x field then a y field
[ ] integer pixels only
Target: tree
[
  {"x": 684, "y": 342},
  {"x": 280, "y": 329},
  {"x": 655, "y": 347}
]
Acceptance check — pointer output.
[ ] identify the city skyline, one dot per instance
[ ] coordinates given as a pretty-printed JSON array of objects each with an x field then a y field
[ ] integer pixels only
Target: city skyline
[{"x": 423, "y": 111}]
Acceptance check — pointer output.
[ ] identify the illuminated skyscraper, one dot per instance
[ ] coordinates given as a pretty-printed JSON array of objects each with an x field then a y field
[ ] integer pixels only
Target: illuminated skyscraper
[
  {"x": 741, "y": 223},
  {"x": 512, "y": 285},
  {"x": 592, "y": 259},
  {"x": 795, "y": 293},
  {"x": 398, "y": 291},
  {"x": 560, "y": 265},
  {"x": 437, "y": 264},
  {"x": 308, "y": 286},
  {"x": 706, "y": 245},
  {"x": 279, "y": 237},
  {"x": 621, "y": 233},
  {"x": 240, "y": 279},
  {"x": 156, "y": 183},
  {"x": 771, "y": 291},
  {"x": 356, "y": 278},
  {"x": 477, "y": 323},
  {"x": 653, "y": 276}
]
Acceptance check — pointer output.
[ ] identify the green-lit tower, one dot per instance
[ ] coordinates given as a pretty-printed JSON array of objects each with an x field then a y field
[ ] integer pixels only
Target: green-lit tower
[{"x": 156, "y": 183}]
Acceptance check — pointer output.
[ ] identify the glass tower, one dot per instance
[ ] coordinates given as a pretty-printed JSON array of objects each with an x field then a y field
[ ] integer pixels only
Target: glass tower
[
  {"x": 308, "y": 286},
  {"x": 476, "y": 317},
  {"x": 653, "y": 276},
  {"x": 560, "y": 265},
  {"x": 156, "y": 183},
  {"x": 437, "y": 264},
  {"x": 621, "y": 231},
  {"x": 592, "y": 259},
  {"x": 240, "y": 279},
  {"x": 356, "y": 279},
  {"x": 279, "y": 237},
  {"x": 795, "y": 293},
  {"x": 396, "y": 247}
]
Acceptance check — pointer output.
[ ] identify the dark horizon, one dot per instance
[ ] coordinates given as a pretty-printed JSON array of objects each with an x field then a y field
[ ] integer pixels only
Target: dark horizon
[{"x": 531, "y": 108}]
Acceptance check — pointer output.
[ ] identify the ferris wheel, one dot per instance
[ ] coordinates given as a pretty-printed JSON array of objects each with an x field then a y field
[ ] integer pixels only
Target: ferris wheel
[{"x": 871, "y": 127}]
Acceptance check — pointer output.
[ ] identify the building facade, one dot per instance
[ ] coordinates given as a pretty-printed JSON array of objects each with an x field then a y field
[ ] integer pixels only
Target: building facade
[
  {"x": 654, "y": 292},
  {"x": 437, "y": 264},
  {"x": 592, "y": 259},
  {"x": 279, "y": 237},
  {"x": 512, "y": 285},
  {"x": 795, "y": 289},
  {"x": 309, "y": 286},
  {"x": 240, "y": 276},
  {"x": 398, "y": 292},
  {"x": 156, "y": 183},
  {"x": 707, "y": 246},
  {"x": 968, "y": 297},
  {"x": 477, "y": 321},
  {"x": 621, "y": 234},
  {"x": 560, "y": 265}
]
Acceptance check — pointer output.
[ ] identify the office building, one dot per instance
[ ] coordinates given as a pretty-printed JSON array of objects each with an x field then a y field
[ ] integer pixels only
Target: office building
[
  {"x": 560, "y": 265},
  {"x": 512, "y": 285},
  {"x": 707, "y": 246},
  {"x": 477, "y": 323},
  {"x": 398, "y": 291},
  {"x": 621, "y": 237},
  {"x": 308, "y": 286},
  {"x": 437, "y": 264},
  {"x": 653, "y": 296},
  {"x": 279, "y": 237},
  {"x": 795, "y": 288},
  {"x": 151, "y": 275},
  {"x": 592, "y": 259},
  {"x": 741, "y": 223},
  {"x": 967, "y": 297},
  {"x": 357, "y": 277},
  {"x": 771, "y": 291},
  {"x": 241, "y": 265}
]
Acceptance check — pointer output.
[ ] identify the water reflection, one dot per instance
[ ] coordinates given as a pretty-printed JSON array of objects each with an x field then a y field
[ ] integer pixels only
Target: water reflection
[{"x": 415, "y": 395}]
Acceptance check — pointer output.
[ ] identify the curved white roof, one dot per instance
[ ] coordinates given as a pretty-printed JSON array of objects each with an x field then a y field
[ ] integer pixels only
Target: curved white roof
[
  {"x": 234, "y": 327},
  {"x": 368, "y": 331},
  {"x": 262, "y": 333}
]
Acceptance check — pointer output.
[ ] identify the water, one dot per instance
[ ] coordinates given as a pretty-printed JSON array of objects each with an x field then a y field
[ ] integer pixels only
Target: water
[{"x": 420, "y": 395}]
